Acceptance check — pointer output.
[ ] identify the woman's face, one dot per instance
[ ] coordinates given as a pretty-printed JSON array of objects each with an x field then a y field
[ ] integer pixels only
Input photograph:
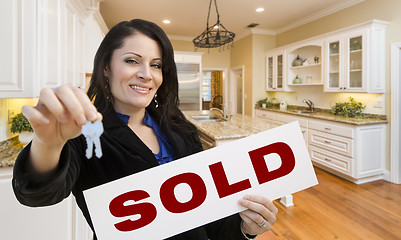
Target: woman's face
[{"x": 135, "y": 73}]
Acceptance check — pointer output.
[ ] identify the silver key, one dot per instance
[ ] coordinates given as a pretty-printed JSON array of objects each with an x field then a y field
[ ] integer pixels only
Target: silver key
[{"x": 92, "y": 132}]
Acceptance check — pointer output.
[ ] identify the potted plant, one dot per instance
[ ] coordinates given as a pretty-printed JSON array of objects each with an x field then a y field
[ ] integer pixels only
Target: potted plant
[
  {"x": 263, "y": 102},
  {"x": 21, "y": 125},
  {"x": 351, "y": 109}
]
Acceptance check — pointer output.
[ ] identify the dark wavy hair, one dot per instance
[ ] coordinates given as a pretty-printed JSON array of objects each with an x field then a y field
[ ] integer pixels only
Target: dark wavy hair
[{"x": 167, "y": 94}]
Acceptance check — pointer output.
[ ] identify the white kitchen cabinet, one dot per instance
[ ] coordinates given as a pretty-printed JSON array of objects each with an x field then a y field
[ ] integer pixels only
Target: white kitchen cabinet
[
  {"x": 63, "y": 221},
  {"x": 283, "y": 118},
  {"x": 43, "y": 45},
  {"x": 18, "y": 44},
  {"x": 355, "y": 59},
  {"x": 188, "y": 57},
  {"x": 275, "y": 74},
  {"x": 354, "y": 152}
]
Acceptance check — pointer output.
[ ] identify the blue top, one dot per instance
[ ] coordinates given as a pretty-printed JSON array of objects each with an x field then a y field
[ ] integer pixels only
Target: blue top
[{"x": 166, "y": 153}]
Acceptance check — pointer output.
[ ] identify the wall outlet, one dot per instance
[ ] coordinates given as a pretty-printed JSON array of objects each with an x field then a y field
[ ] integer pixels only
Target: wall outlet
[{"x": 378, "y": 104}]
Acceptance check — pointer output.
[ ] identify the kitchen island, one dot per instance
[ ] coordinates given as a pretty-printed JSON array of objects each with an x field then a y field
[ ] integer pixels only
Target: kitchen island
[{"x": 214, "y": 133}]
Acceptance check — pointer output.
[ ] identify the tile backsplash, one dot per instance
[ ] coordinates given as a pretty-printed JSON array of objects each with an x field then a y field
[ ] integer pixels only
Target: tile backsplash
[{"x": 375, "y": 102}]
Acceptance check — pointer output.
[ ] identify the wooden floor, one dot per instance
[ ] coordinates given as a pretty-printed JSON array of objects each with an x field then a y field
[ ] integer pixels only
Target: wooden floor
[{"x": 338, "y": 209}]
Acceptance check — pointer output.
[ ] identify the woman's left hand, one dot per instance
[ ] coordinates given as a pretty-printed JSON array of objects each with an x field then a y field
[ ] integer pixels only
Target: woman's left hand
[{"x": 259, "y": 216}]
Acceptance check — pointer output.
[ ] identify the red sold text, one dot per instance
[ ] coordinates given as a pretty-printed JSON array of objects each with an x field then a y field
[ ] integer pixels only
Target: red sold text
[{"x": 148, "y": 211}]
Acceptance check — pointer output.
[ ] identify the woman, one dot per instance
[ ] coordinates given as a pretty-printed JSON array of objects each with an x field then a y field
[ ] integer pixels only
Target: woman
[{"x": 134, "y": 89}]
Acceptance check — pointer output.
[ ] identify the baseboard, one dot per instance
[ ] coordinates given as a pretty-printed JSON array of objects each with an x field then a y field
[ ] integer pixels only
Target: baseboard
[{"x": 387, "y": 175}]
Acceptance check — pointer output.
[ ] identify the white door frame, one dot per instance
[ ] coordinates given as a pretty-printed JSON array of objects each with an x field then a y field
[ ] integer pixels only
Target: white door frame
[
  {"x": 233, "y": 93},
  {"x": 225, "y": 74},
  {"x": 395, "y": 167}
]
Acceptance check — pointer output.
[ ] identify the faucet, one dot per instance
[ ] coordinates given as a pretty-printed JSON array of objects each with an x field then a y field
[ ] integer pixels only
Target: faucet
[
  {"x": 222, "y": 112},
  {"x": 310, "y": 104}
]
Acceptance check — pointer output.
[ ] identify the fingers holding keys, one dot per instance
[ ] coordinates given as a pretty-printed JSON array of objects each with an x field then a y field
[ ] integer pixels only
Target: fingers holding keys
[
  {"x": 60, "y": 113},
  {"x": 259, "y": 216},
  {"x": 67, "y": 102}
]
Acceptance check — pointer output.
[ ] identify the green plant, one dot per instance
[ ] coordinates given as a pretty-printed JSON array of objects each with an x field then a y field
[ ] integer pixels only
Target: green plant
[
  {"x": 264, "y": 100},
  {"x": 19, "y": 123},
  {"x": 349, "y": 109}
]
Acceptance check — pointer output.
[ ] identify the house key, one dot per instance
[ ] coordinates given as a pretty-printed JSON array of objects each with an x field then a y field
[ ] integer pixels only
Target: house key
[{"x": 92, "y": 132}]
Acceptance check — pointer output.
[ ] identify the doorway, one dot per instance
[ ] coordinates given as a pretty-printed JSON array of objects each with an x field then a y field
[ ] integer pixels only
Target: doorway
[
  {"x": 236, "y": 102},
  {"x": 395, "y": 131},
  {"x": 213, "y": 88}
]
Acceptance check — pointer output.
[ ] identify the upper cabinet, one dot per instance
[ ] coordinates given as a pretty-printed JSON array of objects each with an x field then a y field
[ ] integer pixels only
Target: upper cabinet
[
  {"x": 347, "y": 60},
  {"x": 355, "y": 59},
  {"x": 44, "y": 45},
  {"x": 275, "y": 71},
  {"x": 18, "y": 44}
]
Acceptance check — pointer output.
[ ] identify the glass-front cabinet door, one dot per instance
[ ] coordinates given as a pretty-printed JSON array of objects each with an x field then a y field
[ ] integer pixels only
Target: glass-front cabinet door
[
  {"x": 280, "y": 71},
  {"x": 346, "y": 57},
  {"x": 355, "y": 79},
  {"x": 275, "y": 71},
  {"x": 334, "y": 74},
  {"x": 269, "y": 73}
]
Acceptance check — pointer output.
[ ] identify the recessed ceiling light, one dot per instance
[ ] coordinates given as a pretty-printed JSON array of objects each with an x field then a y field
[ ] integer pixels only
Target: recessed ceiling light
[
  {"x": 166, "y": 21},
  {"x": 260, "y": 9}
]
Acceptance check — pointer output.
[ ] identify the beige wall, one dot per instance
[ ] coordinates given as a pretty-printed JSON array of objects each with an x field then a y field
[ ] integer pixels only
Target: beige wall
[
  {"x": 260, "y": 44},
  {"x": 241, "y": 55}
]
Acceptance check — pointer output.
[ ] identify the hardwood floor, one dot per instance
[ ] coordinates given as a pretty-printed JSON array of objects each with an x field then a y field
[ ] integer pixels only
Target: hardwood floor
[{"x": 338, "y": 209}]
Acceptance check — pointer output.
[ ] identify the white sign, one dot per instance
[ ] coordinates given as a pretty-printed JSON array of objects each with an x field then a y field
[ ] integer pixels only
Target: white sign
[{"x": 190, "y": 192}]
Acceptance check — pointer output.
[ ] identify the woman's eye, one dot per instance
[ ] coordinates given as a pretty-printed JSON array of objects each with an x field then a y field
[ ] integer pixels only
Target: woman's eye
[
  {"x": 130, "y": 60},
  {"x": 156, "y": 65}
]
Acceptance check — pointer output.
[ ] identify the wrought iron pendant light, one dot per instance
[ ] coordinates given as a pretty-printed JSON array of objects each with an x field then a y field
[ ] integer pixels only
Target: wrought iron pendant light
[{"x": 214, "y": 36}]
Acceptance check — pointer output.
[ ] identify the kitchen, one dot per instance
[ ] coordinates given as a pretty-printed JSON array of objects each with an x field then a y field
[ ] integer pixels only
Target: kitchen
[{"x": 250, "y": 52}]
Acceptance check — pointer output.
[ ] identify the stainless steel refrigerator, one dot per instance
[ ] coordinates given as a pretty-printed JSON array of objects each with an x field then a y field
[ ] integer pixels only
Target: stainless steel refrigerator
[{"x": 189, "y": 86}]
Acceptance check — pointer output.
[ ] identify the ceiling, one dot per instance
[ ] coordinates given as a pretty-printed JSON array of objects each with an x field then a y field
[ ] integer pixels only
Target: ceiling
[{"x": 188, "y": 17}]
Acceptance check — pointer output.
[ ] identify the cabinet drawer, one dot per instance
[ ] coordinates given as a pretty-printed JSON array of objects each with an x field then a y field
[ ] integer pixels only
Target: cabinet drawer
[
  {"x": 331, "y": 160},
  {"x": 264, "y": 114},
  {"x": 286, "y": 118},
  {"x": 331, "y": 128},
  {"x": 330, "y": 142}
]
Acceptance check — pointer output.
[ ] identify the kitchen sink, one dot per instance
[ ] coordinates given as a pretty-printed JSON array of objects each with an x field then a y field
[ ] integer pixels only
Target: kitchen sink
[
  {"x": 206, "y": 118},
  {"x": 301, "y": 111}
]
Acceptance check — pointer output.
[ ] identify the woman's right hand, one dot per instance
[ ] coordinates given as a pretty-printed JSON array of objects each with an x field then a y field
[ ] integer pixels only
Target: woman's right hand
[{"x": 58, "y": 117}]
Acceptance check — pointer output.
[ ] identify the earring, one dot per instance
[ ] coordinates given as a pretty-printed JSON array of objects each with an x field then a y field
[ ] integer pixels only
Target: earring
[
  {"x": 157, "y": 104},
  {"x": 107, "y": 87}
]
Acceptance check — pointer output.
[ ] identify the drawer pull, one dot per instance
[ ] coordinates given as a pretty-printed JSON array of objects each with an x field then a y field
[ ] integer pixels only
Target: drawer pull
[
  {"x": 327, "y": 141},
  {"x": 327, "y": 128},
  {"x": 303, "y": 131},
  {"x": 329, "y": 160}
]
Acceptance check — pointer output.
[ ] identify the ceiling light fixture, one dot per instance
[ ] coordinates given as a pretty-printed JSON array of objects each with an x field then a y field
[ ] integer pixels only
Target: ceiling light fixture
[
  {"x": 166, "y": 21},
  {"x": 260, "y": 9},
  {"x": 214, "y": 36}
]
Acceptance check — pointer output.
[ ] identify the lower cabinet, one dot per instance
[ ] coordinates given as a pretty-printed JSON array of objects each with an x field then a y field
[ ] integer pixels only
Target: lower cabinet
[
  {"x": 354, "y": 152},
  {"x": 63, "y": 221}
]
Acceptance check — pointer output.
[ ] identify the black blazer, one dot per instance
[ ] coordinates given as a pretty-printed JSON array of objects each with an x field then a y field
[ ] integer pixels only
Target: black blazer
[{"x": 123, "y": 154}]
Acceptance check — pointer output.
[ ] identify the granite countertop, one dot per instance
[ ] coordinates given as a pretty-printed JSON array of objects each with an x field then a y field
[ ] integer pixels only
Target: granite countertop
[
  {"x": 238, "y": 127},
  {"x": 9, "y": 150},
  {"x": 325, "y": 114}
]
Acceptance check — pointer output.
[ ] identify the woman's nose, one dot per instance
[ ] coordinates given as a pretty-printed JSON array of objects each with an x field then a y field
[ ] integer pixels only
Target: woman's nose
[{"x": 144, "y": 72}]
